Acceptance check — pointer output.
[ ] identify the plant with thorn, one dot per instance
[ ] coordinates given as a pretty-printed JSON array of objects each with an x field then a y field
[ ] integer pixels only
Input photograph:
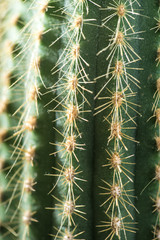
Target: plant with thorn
[{"x": 74, "y": 120}]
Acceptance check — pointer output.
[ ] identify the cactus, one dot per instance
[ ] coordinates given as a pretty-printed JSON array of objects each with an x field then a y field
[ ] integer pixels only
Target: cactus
[{"x": 79, "y": 119}]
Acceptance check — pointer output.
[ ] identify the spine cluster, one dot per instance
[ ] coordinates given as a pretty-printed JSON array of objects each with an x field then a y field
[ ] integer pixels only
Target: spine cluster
[
  {"x": 70, "y": 109},
  {"x": 8, "y": 20},
  {"x": 156, "y": 114},
  {"x": 25, "y": 91},
  {"x": 121, "y": 115}
]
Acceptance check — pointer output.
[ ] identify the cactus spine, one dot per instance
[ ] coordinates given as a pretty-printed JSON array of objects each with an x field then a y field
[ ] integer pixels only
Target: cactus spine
[
  {"x": 26, "y": 82},
  {"x": 32, "y": 35},
  {"x": 117, "y": 103},
  {"x": 8, "y": 32},
  {"x": 156, "y": 110},
  {"x": 71, "y": 107}
]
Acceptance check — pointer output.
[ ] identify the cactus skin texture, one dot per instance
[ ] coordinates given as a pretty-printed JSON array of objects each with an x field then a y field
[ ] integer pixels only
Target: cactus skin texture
[
  {"x": 79, "y": 120},
  {"x": 148, "y": 149}
]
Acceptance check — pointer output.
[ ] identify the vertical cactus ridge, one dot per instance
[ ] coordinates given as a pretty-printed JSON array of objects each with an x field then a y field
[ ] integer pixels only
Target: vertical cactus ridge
[
  {"x": 25, "y": 88},
  {"x": 150, "y": 192},
  {"x": 79, "y": 120},
  {"x": 116, "y": 99},
  {"x": 7, "y": 41},
  {"x": 71, "y": 107},
  {"x": 147, "y": 189},
  {"x": 156, "y": 114}
]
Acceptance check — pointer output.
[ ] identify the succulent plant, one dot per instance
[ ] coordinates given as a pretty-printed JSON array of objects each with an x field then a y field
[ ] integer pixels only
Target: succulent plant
[{"x": 79, "y": 119}]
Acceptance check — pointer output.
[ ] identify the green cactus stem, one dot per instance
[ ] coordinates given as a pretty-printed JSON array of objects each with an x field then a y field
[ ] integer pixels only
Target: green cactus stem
[
  {"x": 72, "y": 110},
  {"x": 117, "y": 109},
  {"x": 148, "y": 151},
  {"x": 79, "y": 120}
]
